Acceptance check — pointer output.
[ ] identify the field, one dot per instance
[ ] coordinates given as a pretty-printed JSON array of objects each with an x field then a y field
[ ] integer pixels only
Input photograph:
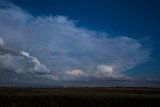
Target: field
[{"x": 79, "y": 97}]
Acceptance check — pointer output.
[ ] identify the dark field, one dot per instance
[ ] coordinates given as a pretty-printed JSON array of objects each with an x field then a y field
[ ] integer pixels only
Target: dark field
[{"x": 79, "y": 97}]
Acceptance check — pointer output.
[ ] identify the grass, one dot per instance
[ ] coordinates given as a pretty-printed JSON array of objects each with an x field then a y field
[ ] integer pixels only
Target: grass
[{"x": 79, "y": 97}]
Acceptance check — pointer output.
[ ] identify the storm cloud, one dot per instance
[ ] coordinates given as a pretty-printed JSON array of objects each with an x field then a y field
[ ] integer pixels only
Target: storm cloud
[{"x": 62, "y": 49}]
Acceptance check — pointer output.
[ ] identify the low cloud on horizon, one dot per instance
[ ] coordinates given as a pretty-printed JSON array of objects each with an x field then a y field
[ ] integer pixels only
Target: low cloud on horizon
[{"x": 54, "y": 47}]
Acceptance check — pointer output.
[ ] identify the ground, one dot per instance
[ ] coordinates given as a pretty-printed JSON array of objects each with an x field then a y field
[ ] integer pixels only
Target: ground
[{"x": 79, "y": 97}]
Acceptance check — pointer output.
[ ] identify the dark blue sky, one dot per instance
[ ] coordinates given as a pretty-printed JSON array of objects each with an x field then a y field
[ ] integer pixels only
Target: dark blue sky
[
  {"x": 126, "y": 17},
  {"x": 134, "y": 18},
  {"x": 80, "y": 40}
]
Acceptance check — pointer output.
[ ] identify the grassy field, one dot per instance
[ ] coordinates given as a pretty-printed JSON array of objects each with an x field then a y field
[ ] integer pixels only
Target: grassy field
[{"x": 79, "y": 97}]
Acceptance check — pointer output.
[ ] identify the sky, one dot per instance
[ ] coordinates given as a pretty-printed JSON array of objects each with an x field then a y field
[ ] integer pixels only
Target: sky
[{"x": 63, "y": 43}]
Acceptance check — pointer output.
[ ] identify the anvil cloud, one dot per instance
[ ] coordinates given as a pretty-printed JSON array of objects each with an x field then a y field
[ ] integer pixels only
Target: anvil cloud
[{"x": 66, "y": 51}]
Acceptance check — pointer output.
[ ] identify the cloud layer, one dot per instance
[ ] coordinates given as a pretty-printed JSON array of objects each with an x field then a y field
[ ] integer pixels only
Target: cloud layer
[{"x": 68, "y": 52}]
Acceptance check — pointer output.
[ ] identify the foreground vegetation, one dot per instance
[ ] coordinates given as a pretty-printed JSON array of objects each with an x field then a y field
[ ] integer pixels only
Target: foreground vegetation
[{"x": 79, "y": 97}]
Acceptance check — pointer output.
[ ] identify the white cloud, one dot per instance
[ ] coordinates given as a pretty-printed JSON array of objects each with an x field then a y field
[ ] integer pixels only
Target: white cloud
[
  {"x": 21, "y": 64},
  {"x": 105, "y": 70},
  {"x": 38, "y": 67},
  {"x": 24, "y": 53},
  {"x": 62, "y": 46},
  {"x": 1, "y": 41}
]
